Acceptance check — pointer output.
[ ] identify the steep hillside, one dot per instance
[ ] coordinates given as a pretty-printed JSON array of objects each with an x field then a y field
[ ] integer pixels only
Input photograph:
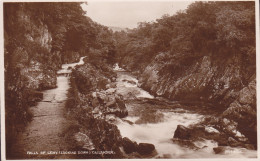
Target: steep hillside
[
  {"x": 38, "y": 38},
  {"x": 205, "y": 54}
]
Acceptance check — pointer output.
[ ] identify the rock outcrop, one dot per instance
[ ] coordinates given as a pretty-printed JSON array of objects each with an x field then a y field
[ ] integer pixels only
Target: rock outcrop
[
  {"x": 212, "y": 80},
  {"x": 221, "y": 130},
  {"x": 93, "y": 108},
  {"x": 32, "y": 58}
]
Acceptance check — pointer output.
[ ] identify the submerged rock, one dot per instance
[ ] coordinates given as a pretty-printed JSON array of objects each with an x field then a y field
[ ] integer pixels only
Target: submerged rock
[
  {"x": 150, "y": 116},
  {"x": 228, "y": 150},
  {"x": 185, "y": 143},
  {"x": 121, "y": 113},
  {"x": 225, "y": 135},
  {"x": 128, "y": 121}
]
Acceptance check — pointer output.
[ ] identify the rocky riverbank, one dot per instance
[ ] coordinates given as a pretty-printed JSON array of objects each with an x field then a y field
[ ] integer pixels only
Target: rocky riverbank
[
  {"x": 196, "y": 61},
  {"x": 94, "y": 105},
  {"x": 205, "y": 82},
  {"x": 221, "y": 87}
]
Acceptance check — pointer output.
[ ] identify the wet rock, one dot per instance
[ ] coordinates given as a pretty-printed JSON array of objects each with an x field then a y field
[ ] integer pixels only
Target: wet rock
[
  {"x": 111, "y": 101},
  {"x": 182, "y": 132},
  {"x": 129, "y": 146},
  {"x": 102, "y": 97},
  {"x": 121, "y": 113},
  {"x": 219, "y": 150},
  {"x": 167, "y": 156},
  {"x": 112, "y": 85},
  {"x": 95, "y": 102},
  {"x": 145, "y": 148},
  {"x": 84, "y": 141},
  {"x": 101, "y": 84},
  {"x": 211, "y": 130},
  {"x": 96, "y": 110},
  {"x": 128, "y": 121},
  {"x": 243, "y": 111},
  {"x": 199, "y": 132},
  {"x": 110, "y": 118},
  {"x": 111, "y": 90},
  {"x": 222, "y": 142},
  {"x": 120, "y": 103},
  {"x": 233, "y": 143},
  {"x": 242, "y": 139},
  {"x": 150, "y": 116},
  {"x": 205, "y": 78},
  {"x": 104, "y": 135},
  {"x": 250, "y": 146},
  {"x": 228, "y": 150},
  {"x": 129, "y": 81},
  {"x": 185, "y": 143}
]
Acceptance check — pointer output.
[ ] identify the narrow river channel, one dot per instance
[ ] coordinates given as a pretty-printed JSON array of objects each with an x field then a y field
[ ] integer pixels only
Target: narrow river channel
[{"x": 151, "y": 120}]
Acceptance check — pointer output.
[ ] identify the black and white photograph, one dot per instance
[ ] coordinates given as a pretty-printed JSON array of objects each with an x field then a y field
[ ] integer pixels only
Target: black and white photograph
[{"x": 129, "y": 79}]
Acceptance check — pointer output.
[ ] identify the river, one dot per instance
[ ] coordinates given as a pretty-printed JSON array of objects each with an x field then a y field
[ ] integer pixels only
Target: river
[{"x": 154, "y": 121}]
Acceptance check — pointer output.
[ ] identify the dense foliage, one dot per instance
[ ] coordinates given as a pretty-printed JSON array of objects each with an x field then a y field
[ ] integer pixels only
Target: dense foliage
[
  {"x": 205, "y": 54},
  {"x": 205, "y": 28},
  {"x": 70, "y": 29},
  {"x": 38, "y": 38}
]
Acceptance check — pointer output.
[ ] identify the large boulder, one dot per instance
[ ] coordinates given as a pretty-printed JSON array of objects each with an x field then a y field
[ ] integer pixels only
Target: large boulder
[
  {"x": 145, "y": 148},
  {"x": 198, "y": 131},
  {"x": 182, "y": 132},
  {"x": 129, "y": 146}
]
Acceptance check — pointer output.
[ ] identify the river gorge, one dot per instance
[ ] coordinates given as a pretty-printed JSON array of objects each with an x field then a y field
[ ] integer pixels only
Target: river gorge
[
  {"x": 151, "y": 120},
  {"x": 182, "y": 85},
  {"x": 154, "y": 121}
]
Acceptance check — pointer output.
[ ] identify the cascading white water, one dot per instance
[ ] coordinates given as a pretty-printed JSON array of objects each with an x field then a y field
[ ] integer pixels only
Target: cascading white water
[
  {"x": 65, "y": 67},
  {"x": 117, "y": 68},
  {"x": 160, "y": 134},
  {"x": 128, "y": 84}
]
